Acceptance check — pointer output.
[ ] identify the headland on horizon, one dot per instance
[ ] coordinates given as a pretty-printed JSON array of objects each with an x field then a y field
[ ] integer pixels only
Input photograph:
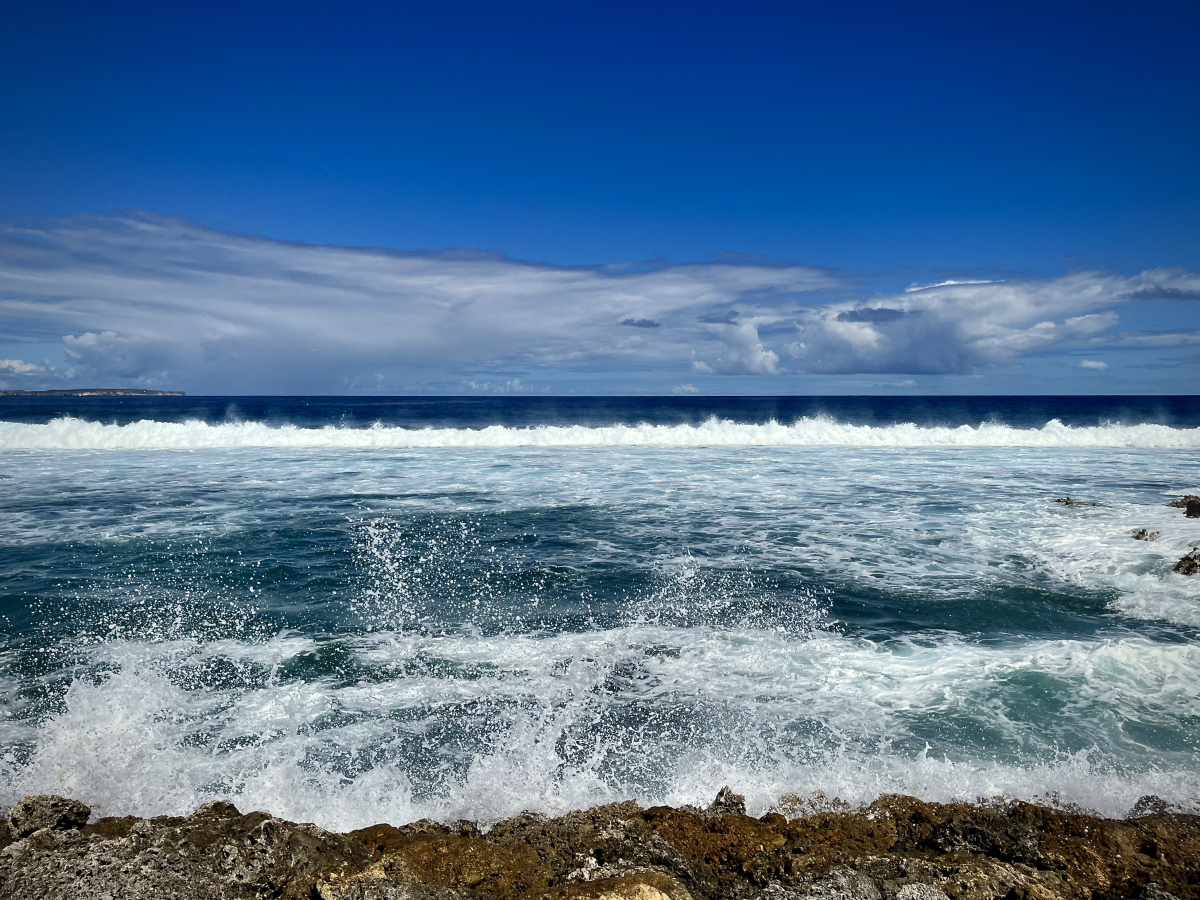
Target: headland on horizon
[{"x": 94, "y": 392}]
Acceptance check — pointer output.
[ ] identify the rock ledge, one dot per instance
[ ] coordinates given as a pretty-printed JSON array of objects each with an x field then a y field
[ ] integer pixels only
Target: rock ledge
[{"x": 898, "y": 848}]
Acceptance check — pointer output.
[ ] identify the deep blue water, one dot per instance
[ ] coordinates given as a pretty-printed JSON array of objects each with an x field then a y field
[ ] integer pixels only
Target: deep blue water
[{"x": 1178, "y": 411}]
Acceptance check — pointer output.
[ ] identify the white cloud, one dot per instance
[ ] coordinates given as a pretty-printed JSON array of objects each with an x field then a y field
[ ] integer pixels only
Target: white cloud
[
  {"x": 743, "y": 353},
  {"x": 18, "y": 367},
  {"x": 153, "y": 301},
  {"x": 1093, "y": 364},
  {"x": 684, "y": 389},
  {"x": 957, "y": 328},
  {"x": 159, "y": 300}
]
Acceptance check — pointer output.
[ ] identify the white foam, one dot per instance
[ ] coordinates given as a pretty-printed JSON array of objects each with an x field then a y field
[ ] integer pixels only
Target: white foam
[
  {"x": 712, "y": 708},
  {"x": 77, "y": 434}
]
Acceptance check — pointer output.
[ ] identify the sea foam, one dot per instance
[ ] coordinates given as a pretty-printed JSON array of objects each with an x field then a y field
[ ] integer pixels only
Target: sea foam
[
  {"x": 78, "y": 434},
  {"x": 462, "y": 725}
]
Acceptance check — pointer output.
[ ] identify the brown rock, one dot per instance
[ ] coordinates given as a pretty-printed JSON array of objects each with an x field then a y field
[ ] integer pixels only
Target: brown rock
[
  {"x": 473, "y": 864},
  {"x": 1183, "y": 501},
  {"x": 898, "y": 847}
]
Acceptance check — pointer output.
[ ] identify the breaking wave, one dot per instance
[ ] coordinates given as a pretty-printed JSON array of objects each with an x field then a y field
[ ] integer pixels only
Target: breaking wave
[
  {"x": 464, "y": 726},
  {"x": 77, "y": 434}
]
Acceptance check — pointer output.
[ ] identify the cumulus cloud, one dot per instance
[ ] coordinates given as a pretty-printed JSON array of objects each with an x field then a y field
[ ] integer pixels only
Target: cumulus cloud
[
  {"x": 154, "y": 301},
  {"x": 963, "y": 327},
  {"x": 18, "y": 367}
]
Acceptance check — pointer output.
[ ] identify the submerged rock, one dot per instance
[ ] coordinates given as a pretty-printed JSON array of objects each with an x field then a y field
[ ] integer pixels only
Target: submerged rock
[
  {"x": 1183, "y": 501},
  {"x": 1070, "y": 501},
  {"x": 898, "y": 848},
  {"x": 1189, "y": 564},
  {"x": 1142, "y": 534}
]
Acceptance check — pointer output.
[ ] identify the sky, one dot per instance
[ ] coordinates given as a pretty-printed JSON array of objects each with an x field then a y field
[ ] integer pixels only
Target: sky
[{"x": 618, "y": 198}]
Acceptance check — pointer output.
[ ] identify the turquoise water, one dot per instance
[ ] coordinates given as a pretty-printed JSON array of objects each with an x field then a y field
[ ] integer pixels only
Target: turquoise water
[{"x": 468, "y": 611}]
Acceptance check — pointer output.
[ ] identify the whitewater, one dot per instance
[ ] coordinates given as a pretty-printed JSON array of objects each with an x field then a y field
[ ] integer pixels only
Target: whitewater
[
  {"x": 70, "y": 433},
  {"x": 349, "y": 611}
]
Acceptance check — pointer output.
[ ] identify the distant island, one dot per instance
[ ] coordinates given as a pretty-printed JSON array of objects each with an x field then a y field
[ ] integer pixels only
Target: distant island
[{"x": 94, "y": 392}]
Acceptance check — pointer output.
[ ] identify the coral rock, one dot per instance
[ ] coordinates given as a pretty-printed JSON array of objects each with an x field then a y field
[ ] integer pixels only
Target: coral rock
[{"x": 30, "y": 814}]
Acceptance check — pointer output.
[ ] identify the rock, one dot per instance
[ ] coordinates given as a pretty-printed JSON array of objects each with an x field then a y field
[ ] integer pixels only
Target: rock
[
  {"x": 987, "y": 833},
  {"x": 1193, "y": 509},
  {"x": 215, "y": 853},
  {"x": 1153, "y": 892},
  {"x": 46, "y": 811},
  {"x": 1189, "y": 564},
  {"x": 641, "y": 886},
  {"x": 1068, "y": 501},
  {"x": 728, "y": 803},
  {"x": 1183, "y": 501},
  {"x": 898, "y": 848},
  {"x": 842, "y": 883},
  {"x": 1141, "y": 534},
  {"x": 1149, "y": 805},
  {"x": 918, "y": 891}
]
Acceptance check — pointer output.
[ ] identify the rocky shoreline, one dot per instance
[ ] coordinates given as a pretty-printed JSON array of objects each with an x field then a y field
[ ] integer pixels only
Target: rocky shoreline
[{"x": 898, "y": 848}]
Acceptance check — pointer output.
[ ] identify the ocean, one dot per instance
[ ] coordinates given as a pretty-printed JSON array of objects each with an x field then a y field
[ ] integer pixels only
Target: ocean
[{"x": 352, "y": 610}]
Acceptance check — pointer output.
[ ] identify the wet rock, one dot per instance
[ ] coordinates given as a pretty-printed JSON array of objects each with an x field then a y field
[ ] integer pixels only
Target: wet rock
[
  {"x": 1149, "y": 805},
  {"x": 1182, "y": 502},
  {"x": 1192, "y": 511},
  {"x": 728, "y": 803},
  {"x": 1189, "y": 564},
  {"x": 1142, "y": 534},
  {"x": 46, "y": 811},
  {"x": 1070, "y": 501}
]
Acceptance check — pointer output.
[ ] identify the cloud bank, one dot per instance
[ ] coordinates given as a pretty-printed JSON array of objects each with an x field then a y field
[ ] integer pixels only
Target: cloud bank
[{"x": 155, "y": 301}]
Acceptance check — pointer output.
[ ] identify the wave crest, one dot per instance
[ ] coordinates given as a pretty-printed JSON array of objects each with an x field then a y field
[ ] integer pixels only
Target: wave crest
[{"x": 78, "y": 434}]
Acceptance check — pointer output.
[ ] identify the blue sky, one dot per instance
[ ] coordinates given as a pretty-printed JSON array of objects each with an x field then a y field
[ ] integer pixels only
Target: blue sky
[{"x": 603, "y": 198}]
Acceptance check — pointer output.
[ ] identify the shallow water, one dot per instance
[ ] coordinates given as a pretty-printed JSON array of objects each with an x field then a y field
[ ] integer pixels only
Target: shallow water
[{"x": 469, "y": 610}]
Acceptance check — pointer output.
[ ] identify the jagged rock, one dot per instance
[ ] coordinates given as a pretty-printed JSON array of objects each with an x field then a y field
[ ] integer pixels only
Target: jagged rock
[
  {"x": 728, "y": 803},
  {"x": 1142, "y": 534},
  {"x": 217, "y": 852},
  {"x": 1189, "y": 564},
  {"x": 1069, "y": 501},
  {"x": 898, "y": 848},
  {"x": 1192, "y": 511},
  {"x": 46, "y": 811},
  {"x": 1183, "y": 501}
]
